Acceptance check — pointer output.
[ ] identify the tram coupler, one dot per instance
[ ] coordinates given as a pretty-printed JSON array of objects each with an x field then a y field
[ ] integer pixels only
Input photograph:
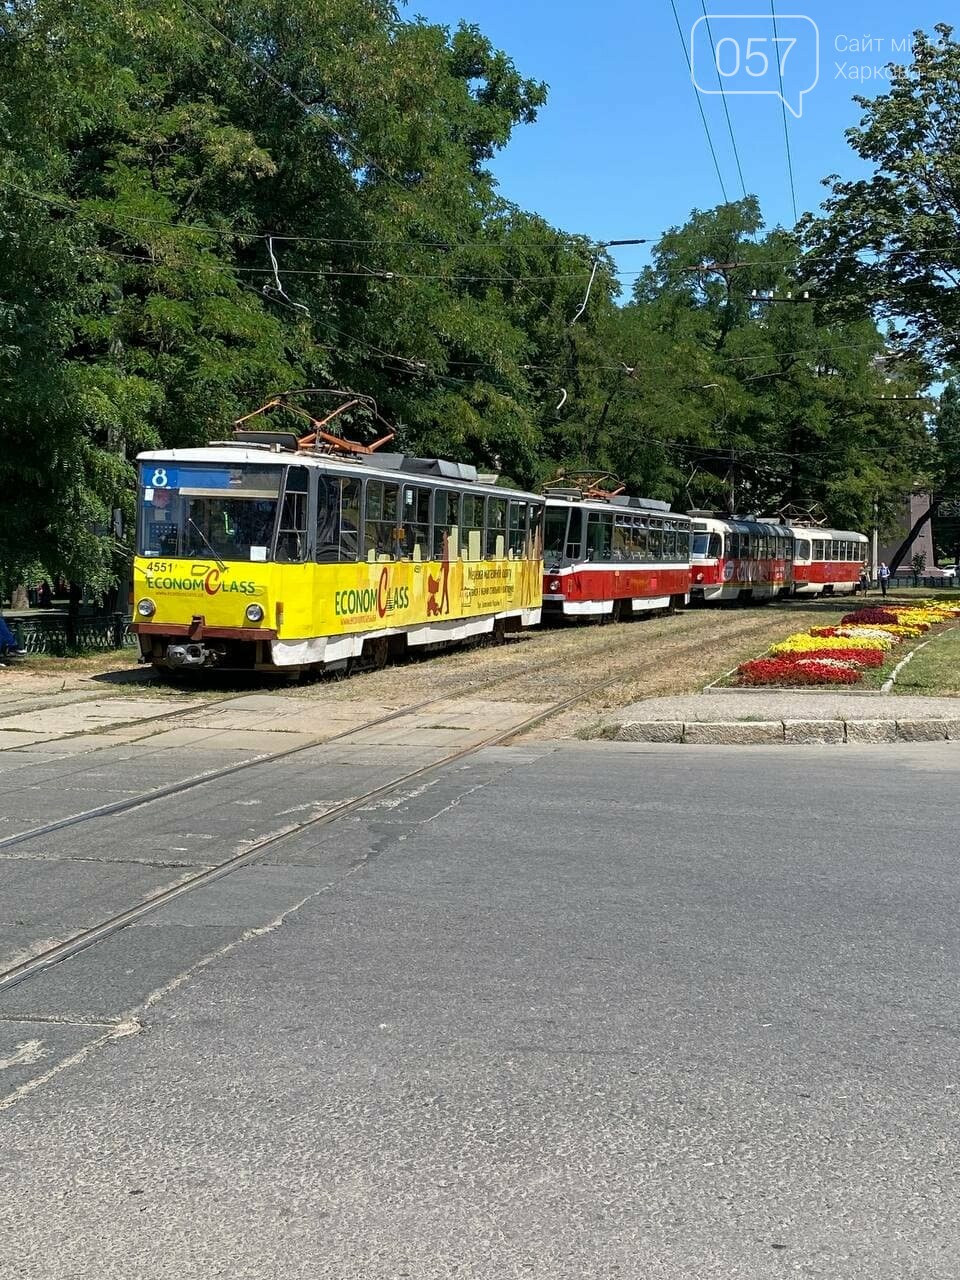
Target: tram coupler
[{"x": 189, "y": 655}]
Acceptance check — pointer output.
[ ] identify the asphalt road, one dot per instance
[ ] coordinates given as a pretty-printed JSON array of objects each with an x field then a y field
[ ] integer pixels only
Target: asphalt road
[{"x": 564, "y": 1011}]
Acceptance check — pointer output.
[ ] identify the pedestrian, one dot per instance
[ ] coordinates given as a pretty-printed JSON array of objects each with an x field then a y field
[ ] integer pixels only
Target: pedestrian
[
  {"x": 864, "y": 579},
  {"x": 883, "y": 578},
  {"x": 8, "y": 641}
]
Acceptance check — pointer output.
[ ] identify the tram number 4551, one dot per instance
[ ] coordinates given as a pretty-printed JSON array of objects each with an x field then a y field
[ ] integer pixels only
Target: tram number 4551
[{"x": 158, "y": 566}]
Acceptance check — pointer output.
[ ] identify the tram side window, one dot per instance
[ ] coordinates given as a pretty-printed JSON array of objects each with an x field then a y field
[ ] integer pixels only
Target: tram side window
[
  {"x": 446, "y": 525},
  {"x": 655, "y": 542},
  {"x": 669, "y": 544},
  {"x": 599, "y": 535},
  {"x": 292, "y": 533},
  {"x": 471, "y": 532},
  {"x": 415, "y": 526},
  {"x": 641, "y": 549},
  {"x": 534, "y": 543},
  {"x": 338, "y": 519},
  {"x": 496, "y": 529},
  {"x": 327, "y": 550},
  {"x": 349, "y": 518},
  {"x": 575, "y": 534},
  {"x": 516, "y": 531},
  {"x": 380, "y": 520},
  {"x": 622, "y": 539},
  {"x": 683, "y": 545}
]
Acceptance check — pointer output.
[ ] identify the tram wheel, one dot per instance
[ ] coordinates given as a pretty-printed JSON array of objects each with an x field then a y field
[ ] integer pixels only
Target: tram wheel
[{"x": 375, "y": 654}]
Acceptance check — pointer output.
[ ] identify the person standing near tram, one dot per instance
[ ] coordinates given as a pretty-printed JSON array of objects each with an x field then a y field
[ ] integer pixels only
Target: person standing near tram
[{"x": 883, "y": 578}]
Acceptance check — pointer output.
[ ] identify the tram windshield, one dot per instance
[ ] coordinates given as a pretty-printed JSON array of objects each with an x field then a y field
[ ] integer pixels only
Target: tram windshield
[
  {"x": 209, "y": 510},
  {"x": 706, "y": 544},
  {"x": 554, "y": 534}
]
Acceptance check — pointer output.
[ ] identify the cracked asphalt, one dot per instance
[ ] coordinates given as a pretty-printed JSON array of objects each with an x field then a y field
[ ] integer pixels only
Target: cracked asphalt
[{"x": 557, "y": 1010}]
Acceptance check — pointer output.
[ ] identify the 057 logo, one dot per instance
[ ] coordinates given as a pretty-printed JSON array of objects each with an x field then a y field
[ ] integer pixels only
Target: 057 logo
[{"x": 739, "y": 53}]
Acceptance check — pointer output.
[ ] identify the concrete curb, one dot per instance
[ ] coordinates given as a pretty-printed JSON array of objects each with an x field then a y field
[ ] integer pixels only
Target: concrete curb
[{"x": 777, "y": 732}]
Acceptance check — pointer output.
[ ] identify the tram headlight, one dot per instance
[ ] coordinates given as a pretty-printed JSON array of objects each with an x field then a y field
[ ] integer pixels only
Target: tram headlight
[
  {"x": 699, "y": 577},
  {"x": 254, "y": 613},
  {"x": 146, "y": 608},
  {"x": 555, "y": 585}
]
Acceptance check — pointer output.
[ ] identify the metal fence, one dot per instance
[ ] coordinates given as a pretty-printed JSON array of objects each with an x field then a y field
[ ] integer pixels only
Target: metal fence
[
  {"x": 59, "y": 635},
  {"x": 937, "y": 583}
]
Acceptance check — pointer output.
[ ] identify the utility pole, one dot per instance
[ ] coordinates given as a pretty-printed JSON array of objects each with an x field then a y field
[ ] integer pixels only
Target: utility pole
[
  {"x": 732, "y": 471},
  {"x": 732, "y": 496},
  {"x": 875, "y": 538}
]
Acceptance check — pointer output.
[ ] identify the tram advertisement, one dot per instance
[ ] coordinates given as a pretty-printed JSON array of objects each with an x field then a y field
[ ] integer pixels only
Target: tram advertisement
[{"x": 332, "y": 599}]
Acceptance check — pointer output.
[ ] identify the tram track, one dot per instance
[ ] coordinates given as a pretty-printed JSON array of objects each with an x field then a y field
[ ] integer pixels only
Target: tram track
[
  {"x": 82, "y": 941},
  {"x": 91, "y": 936},
  {"x": 185, "y": 785},
  {"x": 503, "y": 676}
]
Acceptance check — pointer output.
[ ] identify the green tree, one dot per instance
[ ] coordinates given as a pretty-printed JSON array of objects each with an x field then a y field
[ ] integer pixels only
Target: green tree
[
  {"x": 802, "y": 420},
  {"x": 891, "y": 242},
  {"x": 146, "y": 152}
]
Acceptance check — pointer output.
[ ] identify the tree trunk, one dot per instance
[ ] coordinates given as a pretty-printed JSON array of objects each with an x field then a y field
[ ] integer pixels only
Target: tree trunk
[
  {"x": 19, "y": 598},
  {"x": 73, "y": 614}
]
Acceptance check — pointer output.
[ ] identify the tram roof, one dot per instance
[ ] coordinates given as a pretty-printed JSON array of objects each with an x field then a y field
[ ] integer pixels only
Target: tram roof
[
  {"x": 835, "y": 535},
  {"x": 388, "y": 466},
  {"x": 620, "y": 504},
  {"x": 740, "y": 524}
]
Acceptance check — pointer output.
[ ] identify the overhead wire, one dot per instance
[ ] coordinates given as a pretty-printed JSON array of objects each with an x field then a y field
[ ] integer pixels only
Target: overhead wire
[
  {"x": 699, "y": 98},
  {"x": 68, "y": 206},
  {"x": 783, "y": 113},
  {"x": 723, "y": 99}
]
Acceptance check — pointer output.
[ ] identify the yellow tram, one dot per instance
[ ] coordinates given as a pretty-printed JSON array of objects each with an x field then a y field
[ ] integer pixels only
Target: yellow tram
[{"x": 274, "y": 553}]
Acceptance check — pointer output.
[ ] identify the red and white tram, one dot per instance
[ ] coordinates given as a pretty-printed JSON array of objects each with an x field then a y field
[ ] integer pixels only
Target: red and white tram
[
  {"x": 740, "y": 559},
  {"x": 611, "y": 556},
  {"x": 827, "y": 561}
]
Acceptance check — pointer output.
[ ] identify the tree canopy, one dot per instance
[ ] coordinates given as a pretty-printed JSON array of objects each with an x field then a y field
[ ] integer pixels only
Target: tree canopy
[
  {"x": 891, "y": 241},
  {"x": 203, "y": 202}
]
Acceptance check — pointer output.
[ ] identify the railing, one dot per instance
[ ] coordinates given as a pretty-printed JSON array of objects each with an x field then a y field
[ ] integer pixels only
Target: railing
[
  {"x": 938, "y": 583},
  {"x": 59, "y": 635}
]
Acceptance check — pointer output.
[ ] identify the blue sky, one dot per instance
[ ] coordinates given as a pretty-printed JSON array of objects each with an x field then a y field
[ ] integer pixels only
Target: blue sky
[{"x": 620, "y": 150}]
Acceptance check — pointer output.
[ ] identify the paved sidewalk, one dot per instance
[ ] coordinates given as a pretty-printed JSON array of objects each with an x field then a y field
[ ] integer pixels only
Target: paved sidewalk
[{"x": 764, "y": 716}]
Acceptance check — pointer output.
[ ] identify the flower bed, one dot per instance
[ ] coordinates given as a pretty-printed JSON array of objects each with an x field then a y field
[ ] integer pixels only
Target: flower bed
[
  {"x": 804, "y": 642},
  {"x": 839, "y": 655},
  {"x": 801, "y": 671}
]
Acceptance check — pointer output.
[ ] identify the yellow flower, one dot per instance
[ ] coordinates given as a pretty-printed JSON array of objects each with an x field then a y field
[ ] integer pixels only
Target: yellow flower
[{"x": 802, "y": 642}]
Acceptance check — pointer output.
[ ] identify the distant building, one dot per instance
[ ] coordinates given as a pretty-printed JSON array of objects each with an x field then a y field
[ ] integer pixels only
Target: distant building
[{"x": 914, "y": 506}]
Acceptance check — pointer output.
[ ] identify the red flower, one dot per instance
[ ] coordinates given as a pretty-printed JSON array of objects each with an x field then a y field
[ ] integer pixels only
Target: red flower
[
  {"x": 867, "y": 617},
  {"x": 862, "y": 657},
  {"x": 797, "y": 669}
]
